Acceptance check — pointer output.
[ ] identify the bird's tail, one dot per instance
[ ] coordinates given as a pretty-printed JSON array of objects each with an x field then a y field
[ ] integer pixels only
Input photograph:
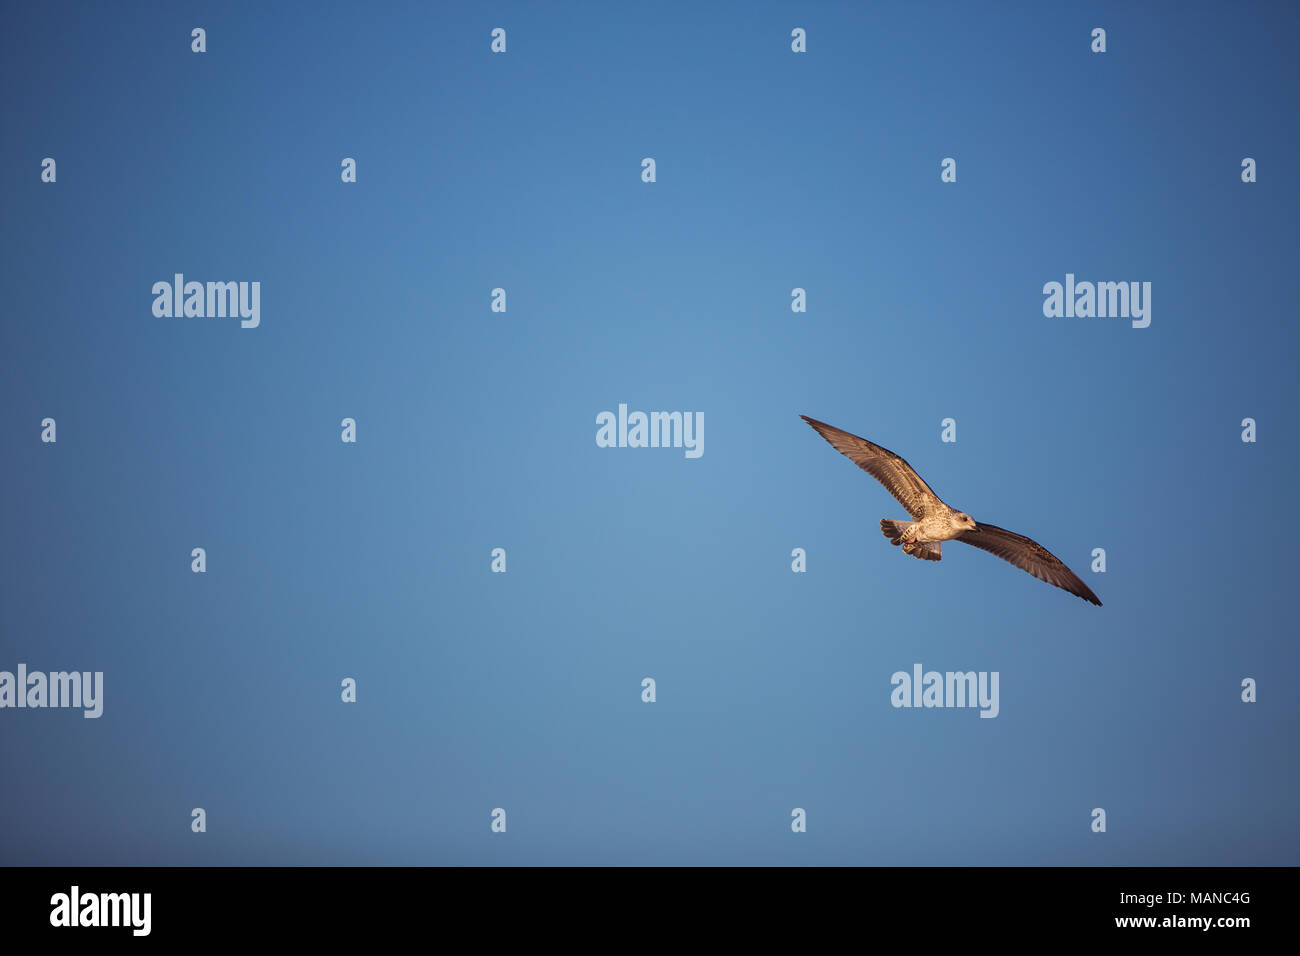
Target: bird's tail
[
  {"x": 925, "y": 550},
  {"x": 893, "y": 529}
]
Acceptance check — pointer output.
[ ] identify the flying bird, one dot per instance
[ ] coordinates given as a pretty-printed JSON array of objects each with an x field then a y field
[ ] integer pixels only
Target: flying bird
[{"x": 934, "y": 522}]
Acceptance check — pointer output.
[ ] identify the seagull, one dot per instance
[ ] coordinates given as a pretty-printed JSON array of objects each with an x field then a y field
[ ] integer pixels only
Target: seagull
[{"x": 936, "y": 523}]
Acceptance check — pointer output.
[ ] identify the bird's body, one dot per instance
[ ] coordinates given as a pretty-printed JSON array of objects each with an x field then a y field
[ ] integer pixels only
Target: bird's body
[
  {"x": 943, "y": 526},
  {"x": 934, "y": 522}
]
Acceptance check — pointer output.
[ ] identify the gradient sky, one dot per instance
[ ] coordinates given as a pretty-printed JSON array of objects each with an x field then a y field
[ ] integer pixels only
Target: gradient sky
[{"x": 477, "y": 430}]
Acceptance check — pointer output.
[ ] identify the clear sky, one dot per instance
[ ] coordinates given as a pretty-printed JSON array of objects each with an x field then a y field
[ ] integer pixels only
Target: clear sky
[{"x": 476, "y": 430}]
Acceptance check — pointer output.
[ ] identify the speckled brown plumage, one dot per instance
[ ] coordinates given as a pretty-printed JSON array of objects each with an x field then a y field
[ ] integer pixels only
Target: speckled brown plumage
[{"x": 934, "y": 522}]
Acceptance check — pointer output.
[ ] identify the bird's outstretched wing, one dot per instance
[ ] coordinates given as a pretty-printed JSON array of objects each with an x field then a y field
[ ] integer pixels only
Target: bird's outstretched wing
[
  {"x": 1029, "y": 556},
  {"x": 898, "y": 477}
]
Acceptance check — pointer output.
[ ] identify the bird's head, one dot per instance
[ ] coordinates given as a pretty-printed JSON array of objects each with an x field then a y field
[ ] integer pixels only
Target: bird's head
[{"x": 961, "y": 521}]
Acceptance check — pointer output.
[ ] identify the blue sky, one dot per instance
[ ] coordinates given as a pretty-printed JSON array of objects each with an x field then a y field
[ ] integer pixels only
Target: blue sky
[{"x": 476, "y": 430}]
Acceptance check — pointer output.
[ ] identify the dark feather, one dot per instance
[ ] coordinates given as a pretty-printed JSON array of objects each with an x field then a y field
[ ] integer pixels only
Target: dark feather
[
  {"x": 1028, "y": 555},
  {"x": 899, "y": 478}
]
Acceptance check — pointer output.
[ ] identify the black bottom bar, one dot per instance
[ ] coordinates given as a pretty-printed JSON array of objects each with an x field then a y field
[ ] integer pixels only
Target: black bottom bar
[{"x": 335, "y": 905}]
